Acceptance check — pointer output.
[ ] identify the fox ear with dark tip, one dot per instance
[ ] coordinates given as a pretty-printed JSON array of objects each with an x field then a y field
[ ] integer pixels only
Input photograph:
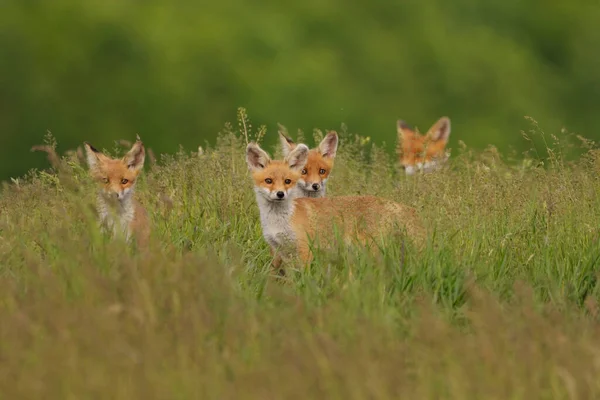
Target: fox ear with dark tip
[
  {"x": 92, "y": 155},
  {"x": 328, "y": 146},
  {"x": 256, "y": 158},
  {"x": 440, "y": 131},
  {"x": 297, "y": 158},
  {"x": 404, "y": 129},
  {"x": 287, "y": 144},
  {"x": 136, "y": 156}
]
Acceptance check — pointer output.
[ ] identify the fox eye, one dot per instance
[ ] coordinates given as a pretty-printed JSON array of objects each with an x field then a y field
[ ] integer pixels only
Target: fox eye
[
  {"x": 124, "y": 181},
  {"x": 303, "y": 171},
  {"x": 288, "y": 181},
  {"x": 321, "y": 171},
  {"x": 269, "y": 180},
  {"x": 105, "y": 180}
]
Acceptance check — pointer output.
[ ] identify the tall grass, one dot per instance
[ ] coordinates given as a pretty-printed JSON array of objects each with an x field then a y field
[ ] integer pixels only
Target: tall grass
[{"x": 502, "y": 303}]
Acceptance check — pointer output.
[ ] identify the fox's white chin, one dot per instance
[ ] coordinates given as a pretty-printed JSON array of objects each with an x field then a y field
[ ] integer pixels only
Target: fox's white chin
[
  {"x": 308, "y": 190},
  {"x": 311, "y": 192}
]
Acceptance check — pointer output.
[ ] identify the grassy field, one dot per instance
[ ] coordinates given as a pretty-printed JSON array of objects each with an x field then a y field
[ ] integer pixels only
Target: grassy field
[{"x": 502, "y": 303}]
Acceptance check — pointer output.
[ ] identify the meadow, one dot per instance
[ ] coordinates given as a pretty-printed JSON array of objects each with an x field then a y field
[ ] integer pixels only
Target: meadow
[{"x": 502, "y": 302}]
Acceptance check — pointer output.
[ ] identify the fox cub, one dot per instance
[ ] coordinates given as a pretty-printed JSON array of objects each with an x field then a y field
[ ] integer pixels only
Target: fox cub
[
  {"x": 424, "y": 153},
  {"x": 118, "y": 210},
  {"x": 319, "y": 164},
  {"x": 290, "y": 223}
]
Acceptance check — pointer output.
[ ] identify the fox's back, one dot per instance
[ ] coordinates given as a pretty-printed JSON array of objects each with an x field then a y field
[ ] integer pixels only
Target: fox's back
[
  {"x": 363, "y": 216},
  {"x": 140, "y": 224}
]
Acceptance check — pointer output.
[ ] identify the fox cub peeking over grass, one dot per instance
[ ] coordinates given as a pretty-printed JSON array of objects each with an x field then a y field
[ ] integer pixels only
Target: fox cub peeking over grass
[
  {"x": 313, "y": 176},
  {"x": 424, "y": 153},
  {"x": 291, "y": 223},
  {"x": 118, "y": 210}
]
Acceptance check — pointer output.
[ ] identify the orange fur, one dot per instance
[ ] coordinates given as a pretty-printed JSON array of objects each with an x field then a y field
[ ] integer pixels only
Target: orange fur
[
  {"x": 278, "y": 171},
  {"x": 289, "y": 223},
  {"x": 365, "y": 219},
  {"x": 313, "y": 177},
  {"x": 118, "y": 209},
  {"x": 423, "y": 152}
]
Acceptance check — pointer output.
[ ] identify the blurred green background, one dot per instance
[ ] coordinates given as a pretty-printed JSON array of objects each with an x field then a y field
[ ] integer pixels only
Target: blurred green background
[{"x": 175, "y": 71}]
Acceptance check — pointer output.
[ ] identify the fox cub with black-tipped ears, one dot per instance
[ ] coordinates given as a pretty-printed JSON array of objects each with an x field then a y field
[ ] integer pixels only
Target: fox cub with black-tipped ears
[
  {"x": 314, "y": 175},
  {"x": 423, "y": 153},
  {"x": 290, "y": 223},
  {"x": 118, "y": 210}
]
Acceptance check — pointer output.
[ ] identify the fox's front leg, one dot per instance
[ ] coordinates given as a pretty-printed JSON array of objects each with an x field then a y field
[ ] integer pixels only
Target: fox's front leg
[
  {"x": 276, "y": 262},
  {"x": 304, "y": 252},
  {"x": 106, "y": 227}
]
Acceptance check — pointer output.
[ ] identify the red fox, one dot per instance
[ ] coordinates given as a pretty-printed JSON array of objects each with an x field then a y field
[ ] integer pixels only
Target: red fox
[
  {"x": 313, "y": 176},
  {"x": 423, "y": 152},
  {"x": 117, "y": 208},
  {"x": 290, "y": 223}
]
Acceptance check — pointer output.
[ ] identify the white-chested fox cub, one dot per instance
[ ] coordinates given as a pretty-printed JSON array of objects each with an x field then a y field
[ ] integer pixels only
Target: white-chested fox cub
[
  {"x": 289, "y": 223},
  {"x": 117, "y": 208},
  {"x": 313, "y": 177},
  {"x": 426, "y": 152}
]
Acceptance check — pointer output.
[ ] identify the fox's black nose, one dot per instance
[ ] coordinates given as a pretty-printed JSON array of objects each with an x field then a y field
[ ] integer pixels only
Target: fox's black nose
[
  {"x": 315, "y": 186},
  {"x": 280, "y": 195}
]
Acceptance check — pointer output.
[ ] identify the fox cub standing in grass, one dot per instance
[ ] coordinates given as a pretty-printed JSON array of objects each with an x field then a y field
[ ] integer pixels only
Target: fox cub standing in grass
[
  {"x": 117, "y": 208},
  {"x": 313, "y": 176},
  {"x": 289, "y": 223},
  {"x": 423, "y": 152}
]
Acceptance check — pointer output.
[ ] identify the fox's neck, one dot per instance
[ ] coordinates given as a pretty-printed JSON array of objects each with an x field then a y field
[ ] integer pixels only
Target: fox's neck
[
  {"x": 270, "y": 210},
  {"x": 117, "y": 216},
  {"x": 275, "y": 219}
]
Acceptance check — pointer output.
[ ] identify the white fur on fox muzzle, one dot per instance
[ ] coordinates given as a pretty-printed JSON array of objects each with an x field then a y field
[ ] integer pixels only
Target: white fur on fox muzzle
[
  {"x": 410, "y": 170},
  {"x": 272, "y": 195},
  {"x": 278, "y": 195},
  {"x": 428, "y": 166},
  {"x": 117, "y": 195},
  {"x": 312, "y": 186}
]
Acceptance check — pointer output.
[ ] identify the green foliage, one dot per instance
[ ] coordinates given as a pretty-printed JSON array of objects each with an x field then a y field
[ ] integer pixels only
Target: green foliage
[
  {"x": 174, "y": 72},
  {"x": 502, "y": 302}
]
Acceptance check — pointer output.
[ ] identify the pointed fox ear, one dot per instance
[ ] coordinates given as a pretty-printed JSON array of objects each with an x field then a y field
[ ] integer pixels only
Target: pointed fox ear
[
  {"x": 287, "y": 144},
  {"x": 256, "y": 158},
  {"x": 136, "y": 156},
  {"x": 92, "y": 155},
  {"x": 404, "y": 129},
  {"x": 328, "y": 146},
  {"x": 440, "y": 131},
  {"x": 297, "y": 158}
]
